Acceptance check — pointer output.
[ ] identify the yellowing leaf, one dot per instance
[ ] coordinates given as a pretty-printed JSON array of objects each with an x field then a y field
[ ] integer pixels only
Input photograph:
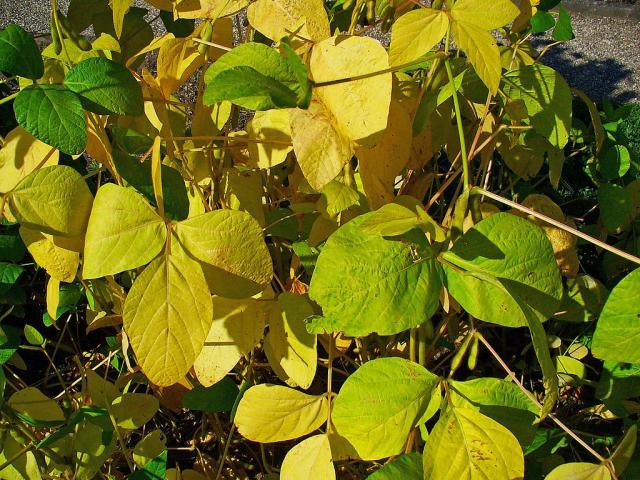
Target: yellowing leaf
[
  {"x": 288, "y": 345},
  {"x": 101, "y": 391},
  {"x": 321, "y": 149},
  {"x": 149, "y": 447},
  {"x": 33, "y": 404},
  {"x": 243, "y": 192},
  {"x": 485, "y": 14},
  {"x": 232, "y": 242},
  {"x": 202, "y": 8},
  {"x": 120, "y": 9},
  {"x": 237, "y": 327},
  {"x": 272, "y": 413},
  {"x": 360, "y": 107},
  {"x": 311, "y": 458},
  {"x": 415, "y": 33},
  {"x": 167, "y": 315},
  {"x": 178, "y": 59},
  {"x": 133, "y": 410},
  {"x": 58, "y": 255},
  {"x": 379, "y": 166},
  {"x": 579, "y": 471},
  {"x": 466, "y": 445},
  {"x": 280, "y": 18},
  {"x": 98, "y": 145},
  {"x": 482, "y": 51},
  {"x": 19, "y": 466},
  {"x": 271, "y": 126},
  {"x": 124, "y": 232},
  {"x": 53, "y": 199},
  {"x": 53, "y": 297},
  {"x": 20, "y": 155}
]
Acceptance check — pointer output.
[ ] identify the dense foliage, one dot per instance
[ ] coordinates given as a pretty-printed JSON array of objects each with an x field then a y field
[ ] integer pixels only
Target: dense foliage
[{"x": 265, "y": 245}]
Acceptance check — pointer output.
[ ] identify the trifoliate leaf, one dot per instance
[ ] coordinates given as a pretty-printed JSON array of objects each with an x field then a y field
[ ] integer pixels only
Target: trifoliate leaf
[
  {"x": 124, "y": 232},
  {"x": 366, "y": 283},
  {"x": 167, "y": 315},
  {"x": 105, "y": 87},
  {"x": 376, "y": 428},
  {"x": 54, "y": 115},
  {"x": 53, "y": 199},
  {"x": 272, "y": 413},
  {"x": 19, "y": 53}
]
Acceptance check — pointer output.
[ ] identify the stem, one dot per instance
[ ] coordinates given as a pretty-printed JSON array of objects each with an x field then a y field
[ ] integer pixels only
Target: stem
[
  {"x": 463, "y": 145},
  {"x": 379, "y": 72},
  {"x": 329, "y": 382},
  {"x": 8, "y": 79},
  {"x": 123, "y": 445},
  {"x": 211, "y": 44},
  {"x": 54, "y": 11},
  {"x": 560, "y": 225},
  {"x": 514, "y": 379},
  {"x": 9, "y": 98}
]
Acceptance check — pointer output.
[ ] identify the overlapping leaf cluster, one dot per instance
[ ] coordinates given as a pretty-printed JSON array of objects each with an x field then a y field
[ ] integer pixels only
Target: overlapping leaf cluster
[{"x": 326, "y": 273}]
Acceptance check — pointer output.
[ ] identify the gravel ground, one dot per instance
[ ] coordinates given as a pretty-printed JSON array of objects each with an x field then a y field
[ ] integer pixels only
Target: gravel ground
[{"x": 603, "y": 60}]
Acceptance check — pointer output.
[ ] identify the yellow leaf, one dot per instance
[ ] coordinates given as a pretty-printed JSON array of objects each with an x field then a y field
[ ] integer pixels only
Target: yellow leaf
[
  {"x": 485, "y": 14},
  {"x": 19, "y": 466},
  {"x": 237, "y": 327},
  {"x": 133, "y": 410},
  {"x": 280, "y": 18},
  {"x": 311, "y": 458},
  {"x": 167, "y": 315},
  {"x": 120, "y": 9},
  {"x": 124, "y": 232},
  {"x": 321, "y": 149},
  {"x": 149, "y": 447},
  {"x": 379, "y": 166},
  {"x": 53, "y": 199},
  {"x": 482, "y": 51},
  {"x": 415, "y": 33},
  {"x": 58, "y": 255},
  {"x": 32, "y": 403},
  {"x": 579, "y": 471},
  {"x": 288, "y": 345},
  {"x": 201, "y": 8},
  {"x": 271, "y": 126},
  {"x": 178, "y": 59},
  {"x": 101, "y": 391},
  {"x": 20, "y": 155},
  {"x": 465, "y": 444},
  {"x": 273, "y": 413},
  {"x": 98, "y": 145},
  {"x": 360, "y": 107},
  {"x": 53, "y": 297},
  {"x": 528, "y": 9},
  {"x": 209, "y": 120},
  {"x": 153, "y": 45},
  {"x": 156, "y": 174},
  {"x": 231, "y": 241},
  {"x": 243, "y": 192}
]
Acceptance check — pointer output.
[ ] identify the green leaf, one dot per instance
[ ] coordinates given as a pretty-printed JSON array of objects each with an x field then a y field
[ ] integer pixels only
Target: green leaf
[
  {"x": 614, "y": 161},
  {"x": 366, "y": 283},
  {"x": 415, "y": 33},
  {"x": 395, "y": 219},
  {"x": 217, "y": 398},
  {"x": 405, "y": 467},
  {"x": 502, "y": 257},
  {"x": 12, "y": 248},
  {"x": 105, "y": 87},
  {"x": 257, "y": 77},
  {"x": 32, "y": 406},
  {"x": 618, "y": 328},
  {"x": 138, "y": 175},
  {"x": 547, "y": 98},
  {"x": 542, "y": 21},
  {"x": 466, "y": 444},
  {"x": 33, "y": 336},
  {"x": 167, "y": 315},
  {"x": 616, "y": 206},
  {"x": 9, "y": 274},
  {"x": 501, "y": 400},
  {"x": 124, "y": 232},
  {"x": 583, "y": 299},
  {"x": 570, "y": 371},
  {"x": 132, "y": 410},
  {"x": 618, "y": 381},
  {"x": 54, "y": 200},
  {"x": 564, "y": 30},
  {"x": 19, "y": 53},
  {"x": 54, "y": 115},
  {"x": 9, "y": 342},
  {"x": 378, "y": 426},
  {"x": 156, "y": 469}
]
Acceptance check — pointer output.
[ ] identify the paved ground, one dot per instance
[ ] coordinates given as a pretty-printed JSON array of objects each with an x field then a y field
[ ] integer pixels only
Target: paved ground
[{"x": 604, "y": 59}]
